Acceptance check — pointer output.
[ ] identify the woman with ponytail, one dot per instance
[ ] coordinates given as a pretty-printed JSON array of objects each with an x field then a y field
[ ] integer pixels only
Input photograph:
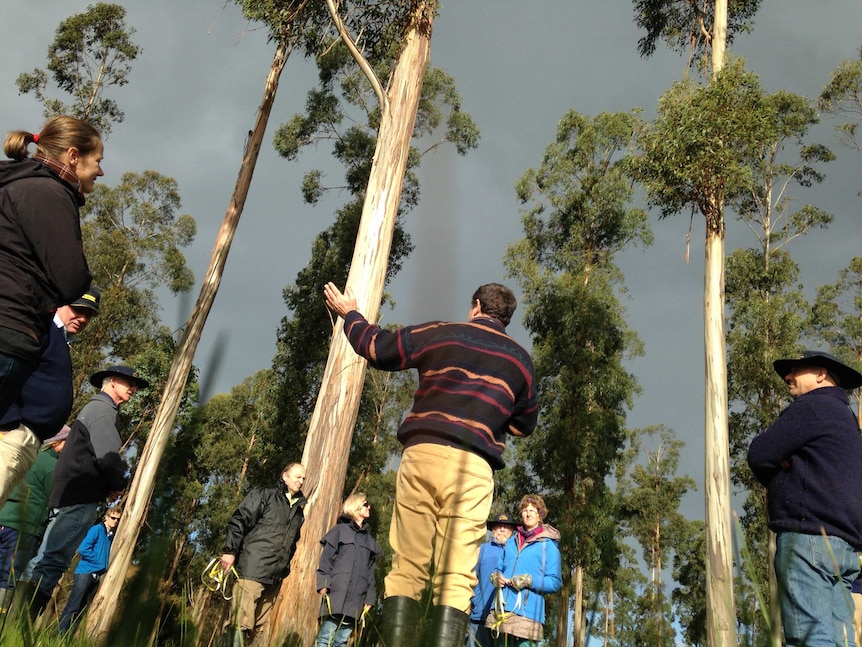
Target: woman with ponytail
[{"x": 42, "y": 264}]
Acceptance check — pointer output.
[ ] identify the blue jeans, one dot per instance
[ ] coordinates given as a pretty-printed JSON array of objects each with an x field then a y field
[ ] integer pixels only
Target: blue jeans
[
  {"x": 83, "y": 586},
  {"x": 16, "y": 549},
  {"x": 814, "y": 591},
  {"x": 66, "y": 530},
  {"x": 335, "y": 631}
]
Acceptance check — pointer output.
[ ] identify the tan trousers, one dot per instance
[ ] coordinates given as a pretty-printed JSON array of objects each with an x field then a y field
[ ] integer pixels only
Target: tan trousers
[
  {"x": 252, "y": 603},
  {"x": 442, "y": 501},
  {"x": 18, "y": 450}
]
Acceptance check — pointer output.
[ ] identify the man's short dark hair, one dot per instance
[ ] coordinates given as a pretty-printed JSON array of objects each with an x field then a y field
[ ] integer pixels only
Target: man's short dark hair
[{"x": 497, "y": 301}]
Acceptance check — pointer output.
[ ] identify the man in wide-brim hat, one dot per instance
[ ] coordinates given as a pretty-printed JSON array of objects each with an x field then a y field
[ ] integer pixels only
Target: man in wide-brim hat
[
  {"x": 842, "y": 375},
  {"x": 809, "y": 460},
  {"x": 89, "y": 472},
  {"x": 502, "y": 527},
  {"x": 127, "y": 373}
]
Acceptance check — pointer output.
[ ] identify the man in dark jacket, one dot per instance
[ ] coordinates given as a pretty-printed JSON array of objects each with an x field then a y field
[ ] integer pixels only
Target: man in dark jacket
[
  {"x": 261, "y": 540},
  {"x": 45, "y": 401},
  {"x": 89, "y": 472},
  {"x": 808, "y": 460}
]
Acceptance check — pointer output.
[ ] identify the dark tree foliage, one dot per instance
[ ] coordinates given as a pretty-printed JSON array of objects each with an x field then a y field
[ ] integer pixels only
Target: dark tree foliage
[{"x": 687, "y": 25}]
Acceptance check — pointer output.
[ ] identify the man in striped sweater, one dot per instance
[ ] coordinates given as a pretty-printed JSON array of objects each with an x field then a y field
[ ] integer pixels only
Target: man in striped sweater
[{"x": 476, "y": 385}]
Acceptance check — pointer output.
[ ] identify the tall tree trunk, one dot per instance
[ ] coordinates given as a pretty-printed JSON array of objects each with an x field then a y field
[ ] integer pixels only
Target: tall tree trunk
[
  {"x": 562, "y": 637},
  {"x": 579, "y": 625},
  {"x": 328, "y": 443},
  {"x": 138, "y": 499},
  {"x": 720, "y": 606}
]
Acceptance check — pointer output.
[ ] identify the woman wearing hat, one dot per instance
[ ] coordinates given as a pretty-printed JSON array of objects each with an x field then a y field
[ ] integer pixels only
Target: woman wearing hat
[
  {"x": 501, "y": 527},
  {"x": 808, "y": 460}
]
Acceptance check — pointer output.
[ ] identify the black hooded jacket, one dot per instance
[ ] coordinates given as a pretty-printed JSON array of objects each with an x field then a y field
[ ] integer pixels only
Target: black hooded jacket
[
  {"x": 42, "y": 264},
  {"x": 263, "y": 532}
]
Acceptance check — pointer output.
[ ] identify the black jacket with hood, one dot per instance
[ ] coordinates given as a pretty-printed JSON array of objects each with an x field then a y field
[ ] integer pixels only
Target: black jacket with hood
[
  {"x": 42, "y": 264},
  {"x": 263, "y": 532}
]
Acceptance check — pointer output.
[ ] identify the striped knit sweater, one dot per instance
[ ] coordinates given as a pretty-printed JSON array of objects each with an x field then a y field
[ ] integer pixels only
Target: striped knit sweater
[{"x": 476, "y": 384}]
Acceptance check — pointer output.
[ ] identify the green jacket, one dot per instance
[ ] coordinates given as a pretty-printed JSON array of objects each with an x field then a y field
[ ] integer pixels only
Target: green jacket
[{"x": 27, "y": 507}]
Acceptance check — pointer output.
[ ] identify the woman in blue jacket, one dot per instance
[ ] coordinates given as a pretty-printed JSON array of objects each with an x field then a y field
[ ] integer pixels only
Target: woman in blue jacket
[
  {"x": 345, "y": 576},
  {"x": 529, "y": 568}
]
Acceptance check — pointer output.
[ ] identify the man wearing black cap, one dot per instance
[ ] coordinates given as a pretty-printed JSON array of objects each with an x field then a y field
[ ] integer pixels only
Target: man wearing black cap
[
  {"x": 809, "y": 461},
  {"x": 502, "y": 527},
  {"x": 89, "y": 472},
  {"x": 45, "y": 401}
]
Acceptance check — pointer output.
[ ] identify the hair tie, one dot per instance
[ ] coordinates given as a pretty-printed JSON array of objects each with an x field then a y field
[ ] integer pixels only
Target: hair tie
[{"x": 35, "y": 138}]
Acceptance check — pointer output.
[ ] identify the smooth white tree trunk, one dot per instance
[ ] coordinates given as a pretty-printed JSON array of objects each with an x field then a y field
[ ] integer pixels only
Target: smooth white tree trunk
[{"x": 331, "y": 428}]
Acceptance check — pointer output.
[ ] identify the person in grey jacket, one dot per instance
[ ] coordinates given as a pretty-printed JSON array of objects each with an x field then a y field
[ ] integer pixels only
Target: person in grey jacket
[
  {"x": 89, "y": 472},
  {"x": 261, "y": 540},
  {"x": 345, "y": 576}
]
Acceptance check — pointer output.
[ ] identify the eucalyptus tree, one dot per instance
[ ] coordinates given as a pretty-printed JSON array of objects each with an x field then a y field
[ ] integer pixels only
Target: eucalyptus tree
[
  {"x": 378, "y": 152},
  {"x": 689, "y": 572},
  {"x": 687, "y": 26},
  {"x": 133, "y": 235},
  {"x": 704, "y": 30},
  {"x": 577, "y": 219},
  {"x": 90, "y": 52},
  {"x": 696, "y": 157},
  {"x": 768, "y": 313},
  {"x": 650, "y": 493},
  {"x": 291, "y": 24}
]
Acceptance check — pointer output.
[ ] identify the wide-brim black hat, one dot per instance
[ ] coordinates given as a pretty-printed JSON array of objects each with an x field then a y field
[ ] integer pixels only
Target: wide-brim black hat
[
  {"x": 502, "y": 520},
  {"x": 123, "y": 371},
  {"x": 847, "y": 377}
]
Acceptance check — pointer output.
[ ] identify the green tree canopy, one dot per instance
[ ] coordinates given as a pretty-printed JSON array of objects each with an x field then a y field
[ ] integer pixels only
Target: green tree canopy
[{"x": 90, "y": 51}]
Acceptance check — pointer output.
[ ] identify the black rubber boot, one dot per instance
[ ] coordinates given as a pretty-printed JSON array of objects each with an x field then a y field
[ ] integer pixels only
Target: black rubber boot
[
  {"x": 448, "y": 627},
  {"x": 399, "y": 621}
]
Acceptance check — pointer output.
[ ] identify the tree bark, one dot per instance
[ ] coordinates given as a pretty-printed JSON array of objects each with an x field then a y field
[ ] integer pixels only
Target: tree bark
[
  {"x": 563, "y": 615},
  {"x": 720, "y": 605},
  {"x": 579, "y": 624},
  {"x": 328, "y": 443},
  {"x": 141, "y": 489}
]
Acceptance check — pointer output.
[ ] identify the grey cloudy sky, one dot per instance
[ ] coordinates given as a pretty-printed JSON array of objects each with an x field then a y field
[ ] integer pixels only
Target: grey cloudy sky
[{"x": 519, "y": 66}]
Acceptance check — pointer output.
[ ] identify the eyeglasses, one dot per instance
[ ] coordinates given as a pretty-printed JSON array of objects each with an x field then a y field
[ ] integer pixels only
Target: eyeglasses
[
  {"x": 366, "y": 505},
  {"x": 114, "y": 518}
]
